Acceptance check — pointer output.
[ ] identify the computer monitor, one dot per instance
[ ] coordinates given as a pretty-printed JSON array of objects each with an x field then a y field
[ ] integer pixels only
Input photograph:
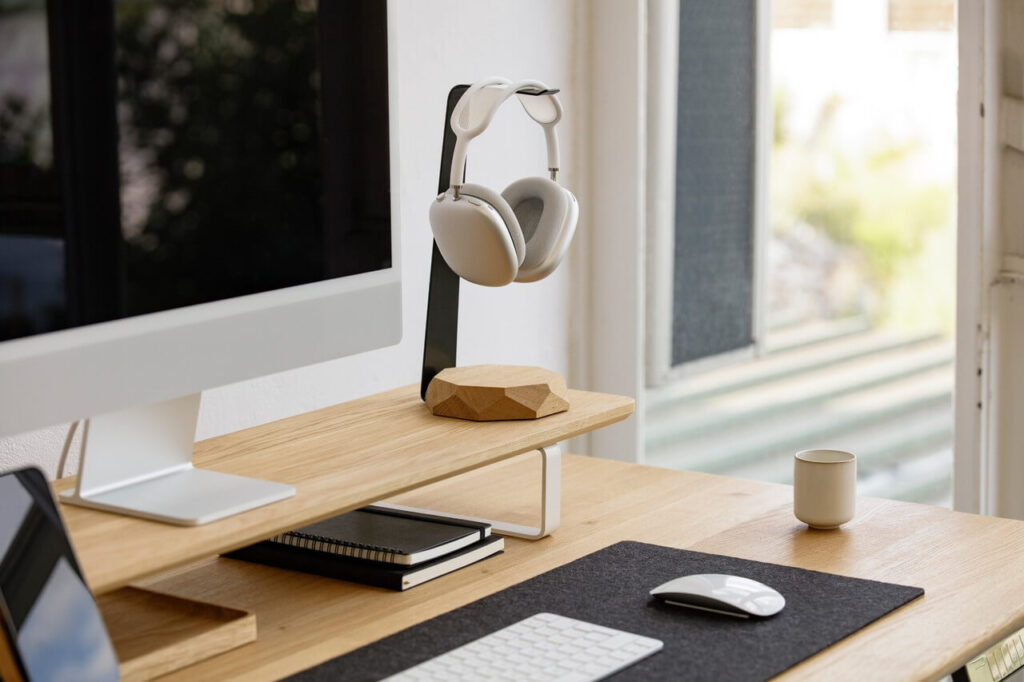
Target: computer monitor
[{"x": 191, "y": 194}]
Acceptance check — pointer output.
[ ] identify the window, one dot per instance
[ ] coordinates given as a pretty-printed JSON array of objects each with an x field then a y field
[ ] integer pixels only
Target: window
[{"x": 811, "y": 281}]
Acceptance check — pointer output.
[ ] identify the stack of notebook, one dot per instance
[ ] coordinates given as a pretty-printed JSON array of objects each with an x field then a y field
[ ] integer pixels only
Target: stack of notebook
[{"x": 378, "y": 546}]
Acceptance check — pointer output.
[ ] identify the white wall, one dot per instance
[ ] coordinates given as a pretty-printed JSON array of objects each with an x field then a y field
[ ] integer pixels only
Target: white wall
[{"x": 439, "y": 44}]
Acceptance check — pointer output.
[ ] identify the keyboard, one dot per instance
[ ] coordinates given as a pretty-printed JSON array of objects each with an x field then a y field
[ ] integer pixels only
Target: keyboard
[{"x": 542, "y": 647}]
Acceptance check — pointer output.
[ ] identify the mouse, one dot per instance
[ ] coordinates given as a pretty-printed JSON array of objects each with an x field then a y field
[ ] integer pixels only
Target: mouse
[{"x": 732, "y": 595}]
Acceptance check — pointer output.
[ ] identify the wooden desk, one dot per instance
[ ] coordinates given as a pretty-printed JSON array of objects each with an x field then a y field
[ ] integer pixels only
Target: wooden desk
[{"x": 969, "y": 566}]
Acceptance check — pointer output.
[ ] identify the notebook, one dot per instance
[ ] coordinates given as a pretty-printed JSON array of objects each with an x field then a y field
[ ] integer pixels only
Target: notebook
[
  {"x": 376, "y": 573},
  {"x": 386, "y": 535}
]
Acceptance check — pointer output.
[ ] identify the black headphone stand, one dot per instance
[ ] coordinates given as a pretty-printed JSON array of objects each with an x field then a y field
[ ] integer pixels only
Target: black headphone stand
[
  {"x": 439, "y": 352},
  {"x": 442, "y": 329}
]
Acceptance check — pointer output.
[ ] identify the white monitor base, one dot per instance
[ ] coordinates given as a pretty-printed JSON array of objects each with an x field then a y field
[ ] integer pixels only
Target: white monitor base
[
  {"x": 189, "y": 497},
  {"x": 139, "y": 462}
]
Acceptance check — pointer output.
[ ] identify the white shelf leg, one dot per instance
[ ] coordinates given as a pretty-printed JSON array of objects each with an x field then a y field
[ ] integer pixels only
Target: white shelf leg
[{"x": 550, "y": 502}]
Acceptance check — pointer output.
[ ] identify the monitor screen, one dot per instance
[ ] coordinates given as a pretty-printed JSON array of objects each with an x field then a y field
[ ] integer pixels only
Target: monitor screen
[{"x": 157, "y": 154}]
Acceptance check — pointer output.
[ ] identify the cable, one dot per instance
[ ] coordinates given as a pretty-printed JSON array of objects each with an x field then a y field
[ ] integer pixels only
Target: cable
[{"x": 67, "y": 448}]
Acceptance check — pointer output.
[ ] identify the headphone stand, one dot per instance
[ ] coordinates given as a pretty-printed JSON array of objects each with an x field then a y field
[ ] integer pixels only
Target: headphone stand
[
  {"x": 442, "y": 328},
  {"x": 440, "y": 343}
]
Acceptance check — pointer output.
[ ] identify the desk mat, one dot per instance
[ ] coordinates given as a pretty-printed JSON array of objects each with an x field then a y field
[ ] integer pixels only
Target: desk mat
[{"x": 610, "y": 587}]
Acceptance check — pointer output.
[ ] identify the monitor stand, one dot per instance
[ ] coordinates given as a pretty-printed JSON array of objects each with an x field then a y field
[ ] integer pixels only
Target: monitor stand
[{"x": 139, "y": 462}]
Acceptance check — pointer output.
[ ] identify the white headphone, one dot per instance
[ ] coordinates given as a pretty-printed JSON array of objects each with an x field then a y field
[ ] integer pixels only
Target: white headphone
[{"x": 521, "y": 234}]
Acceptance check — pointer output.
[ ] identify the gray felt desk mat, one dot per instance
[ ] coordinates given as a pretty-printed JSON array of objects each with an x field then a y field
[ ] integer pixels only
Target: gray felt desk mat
[{"x": 820, "y": 610}]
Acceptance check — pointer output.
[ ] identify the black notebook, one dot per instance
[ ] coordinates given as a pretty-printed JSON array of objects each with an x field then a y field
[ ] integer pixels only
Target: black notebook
[
  {"x": 376, "y": 573},
  {"x": 386, "y": 535}
]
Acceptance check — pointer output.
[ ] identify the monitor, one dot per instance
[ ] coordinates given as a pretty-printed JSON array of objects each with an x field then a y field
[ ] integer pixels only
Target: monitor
[{"x": 191, "y": 194}]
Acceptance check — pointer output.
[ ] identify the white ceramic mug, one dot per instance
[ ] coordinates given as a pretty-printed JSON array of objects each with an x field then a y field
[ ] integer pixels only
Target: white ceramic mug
[{"x": 824, "y": 487}]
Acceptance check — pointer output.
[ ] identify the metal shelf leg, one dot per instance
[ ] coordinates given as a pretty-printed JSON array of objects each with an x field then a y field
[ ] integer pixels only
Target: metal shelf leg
[{"x": 550, "y": 502}]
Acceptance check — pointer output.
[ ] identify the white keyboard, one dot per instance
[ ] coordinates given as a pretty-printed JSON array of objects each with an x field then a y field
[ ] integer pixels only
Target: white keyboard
[{"x": 541, "y": 647}]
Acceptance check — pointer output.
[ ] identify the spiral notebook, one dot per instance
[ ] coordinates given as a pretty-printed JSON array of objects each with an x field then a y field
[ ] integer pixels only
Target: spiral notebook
[
  {"x": 379, "y": 574},
  {"x": 386, "y": 536}
]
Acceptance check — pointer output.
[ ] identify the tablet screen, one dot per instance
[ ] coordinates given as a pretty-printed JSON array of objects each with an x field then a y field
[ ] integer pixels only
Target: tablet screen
[{"x": 49, "y": 616}]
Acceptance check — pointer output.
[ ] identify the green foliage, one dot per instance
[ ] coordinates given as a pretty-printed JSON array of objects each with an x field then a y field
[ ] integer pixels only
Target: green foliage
[
  {"x": 872, "y": 201},
  {"x": 223, "y": 108},
  {"x": 23, "y": 134},
  {"x": 780, "y": 119}
]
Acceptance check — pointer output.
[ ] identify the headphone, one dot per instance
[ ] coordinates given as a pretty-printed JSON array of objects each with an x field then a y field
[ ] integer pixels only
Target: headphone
[{"x": 521, "y": 234}]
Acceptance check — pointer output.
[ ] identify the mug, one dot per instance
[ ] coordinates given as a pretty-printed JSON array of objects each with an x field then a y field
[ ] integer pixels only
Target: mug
[{"x": 824, "y": 487}]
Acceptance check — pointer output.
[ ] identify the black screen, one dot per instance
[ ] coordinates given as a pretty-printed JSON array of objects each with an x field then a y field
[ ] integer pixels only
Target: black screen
[
  {"x": 47, "y": 612},
  {"x": 159, "y": 154}
]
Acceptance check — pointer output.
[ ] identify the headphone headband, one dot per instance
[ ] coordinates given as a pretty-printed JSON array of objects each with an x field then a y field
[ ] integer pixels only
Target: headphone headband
[{"x": 477, "y": 106}]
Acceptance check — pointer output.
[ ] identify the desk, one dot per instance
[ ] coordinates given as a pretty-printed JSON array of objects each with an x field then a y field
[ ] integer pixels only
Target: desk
[{"x": 970, "y": 567}]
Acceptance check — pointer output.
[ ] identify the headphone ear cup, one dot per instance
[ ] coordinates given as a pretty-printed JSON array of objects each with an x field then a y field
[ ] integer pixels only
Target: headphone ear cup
[
  {"x": 474, "y": 236},
  {"x": 508, "y": 217},
  {"x": 547, "y": 215}
]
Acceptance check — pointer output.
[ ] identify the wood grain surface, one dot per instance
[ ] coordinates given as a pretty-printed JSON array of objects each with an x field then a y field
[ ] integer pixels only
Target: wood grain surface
[
  {"x": 338, "y": 458},
  {"x": 155, "y": 633},
  {"x": 495, "y": 392},
  {"x": 970, "y": 567}
]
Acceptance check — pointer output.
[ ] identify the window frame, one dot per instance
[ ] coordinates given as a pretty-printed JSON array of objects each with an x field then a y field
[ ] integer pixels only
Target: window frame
[
  {"x": 615, "y": 49},
  {"x": 608, "y": 325},
  {"x": 663, "y": 59}
]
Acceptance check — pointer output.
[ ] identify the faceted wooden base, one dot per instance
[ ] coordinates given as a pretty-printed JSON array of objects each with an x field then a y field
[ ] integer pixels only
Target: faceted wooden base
[{"x": 497, "y": 392}]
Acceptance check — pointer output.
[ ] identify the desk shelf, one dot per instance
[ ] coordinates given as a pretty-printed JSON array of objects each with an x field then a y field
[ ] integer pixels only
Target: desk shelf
[{"x": 338, "y": 458}]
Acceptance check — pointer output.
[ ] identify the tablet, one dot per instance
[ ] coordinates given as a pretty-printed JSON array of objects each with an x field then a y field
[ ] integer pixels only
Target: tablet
[{"x": 51, "y": 628}]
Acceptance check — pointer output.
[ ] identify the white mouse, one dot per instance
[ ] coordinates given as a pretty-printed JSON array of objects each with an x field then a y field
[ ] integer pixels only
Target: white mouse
[{"x": 728, "y": 594}]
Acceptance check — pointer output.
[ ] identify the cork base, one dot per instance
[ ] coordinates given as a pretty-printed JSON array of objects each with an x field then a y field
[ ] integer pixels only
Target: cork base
[{"x": 497, "y": 392}]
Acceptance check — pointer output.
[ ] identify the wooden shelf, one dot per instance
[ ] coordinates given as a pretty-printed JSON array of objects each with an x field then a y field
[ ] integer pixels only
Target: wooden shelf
[
  {"x": 155, "y": 633},
  {"x": 338, "y": 458}
]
